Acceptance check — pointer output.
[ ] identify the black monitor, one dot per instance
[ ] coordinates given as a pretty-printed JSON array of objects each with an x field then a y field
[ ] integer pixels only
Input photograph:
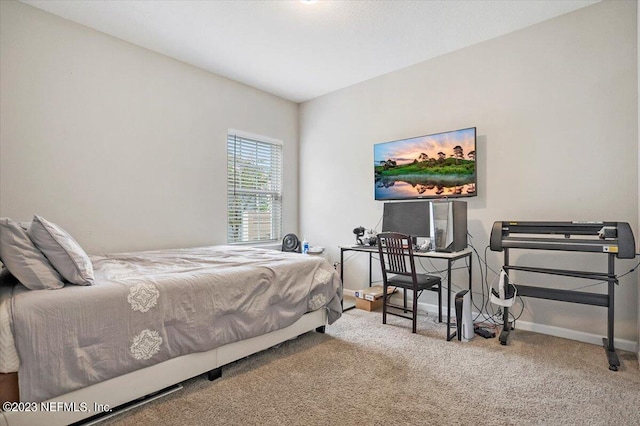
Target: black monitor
[{"x": 411, "y": 218}]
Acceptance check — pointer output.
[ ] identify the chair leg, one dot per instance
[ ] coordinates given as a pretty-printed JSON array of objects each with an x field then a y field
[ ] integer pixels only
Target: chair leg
[
  {"x": 384, "y": 304},
  {"x": 404, "y": 294},
  {"x": 415, "y": 309}
]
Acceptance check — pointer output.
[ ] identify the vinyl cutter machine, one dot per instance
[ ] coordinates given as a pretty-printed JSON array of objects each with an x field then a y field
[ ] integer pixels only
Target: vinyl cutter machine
[{"x": 615, "y": 239}]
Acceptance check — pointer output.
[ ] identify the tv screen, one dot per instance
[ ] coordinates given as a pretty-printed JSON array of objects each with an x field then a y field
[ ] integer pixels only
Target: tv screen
[{"x": 433, "y": 166}]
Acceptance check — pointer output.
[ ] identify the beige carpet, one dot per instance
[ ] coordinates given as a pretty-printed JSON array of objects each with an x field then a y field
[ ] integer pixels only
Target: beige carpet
[{"x": 363, "y": 372}]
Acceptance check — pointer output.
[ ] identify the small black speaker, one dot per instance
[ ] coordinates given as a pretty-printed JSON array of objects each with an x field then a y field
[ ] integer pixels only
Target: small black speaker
[{"x": 291, "y": 243}]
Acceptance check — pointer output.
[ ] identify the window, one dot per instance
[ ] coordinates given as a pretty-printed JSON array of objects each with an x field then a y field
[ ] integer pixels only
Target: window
[{"x": 254, "y": 188}]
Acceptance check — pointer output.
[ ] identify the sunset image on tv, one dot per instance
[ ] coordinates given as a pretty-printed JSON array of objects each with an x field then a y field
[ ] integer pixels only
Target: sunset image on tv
[{"x": 432, "y": 166}]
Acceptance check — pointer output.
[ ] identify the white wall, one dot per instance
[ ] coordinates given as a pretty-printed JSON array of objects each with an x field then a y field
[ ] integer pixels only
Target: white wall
[
  {"x": 123, "y": 147},
  {"x": 556, "y": 108},
  {"x": 126, "y": 148}
]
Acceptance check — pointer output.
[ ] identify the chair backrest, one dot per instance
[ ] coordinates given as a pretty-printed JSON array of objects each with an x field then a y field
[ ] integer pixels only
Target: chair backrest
[{"x": 396, "y": 254}]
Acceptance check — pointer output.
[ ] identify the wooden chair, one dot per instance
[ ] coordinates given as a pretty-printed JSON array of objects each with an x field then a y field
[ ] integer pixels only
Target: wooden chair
[{"x": 399, "y": 270}]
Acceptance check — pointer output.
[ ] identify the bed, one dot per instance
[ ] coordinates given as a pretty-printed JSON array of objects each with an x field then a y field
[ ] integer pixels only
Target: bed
[{"x": 150, "y": 320}]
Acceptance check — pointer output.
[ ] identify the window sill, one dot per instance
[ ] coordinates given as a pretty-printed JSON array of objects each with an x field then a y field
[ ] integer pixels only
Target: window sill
[{"x": 269, "y": 246}]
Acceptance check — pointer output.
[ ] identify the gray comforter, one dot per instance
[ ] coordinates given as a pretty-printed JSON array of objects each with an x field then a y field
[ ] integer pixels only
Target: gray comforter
[{"x": 148, "y": 307}]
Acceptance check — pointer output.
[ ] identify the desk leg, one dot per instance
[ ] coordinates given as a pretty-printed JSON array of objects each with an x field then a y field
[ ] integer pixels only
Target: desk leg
[
  {"x": 470, "y": 278},
  {"x": 449, "y": 334},
  {"x": 440, "y": 303},
  {"x": 342, "y": 268},
  {"x": 342, "y": 281}
]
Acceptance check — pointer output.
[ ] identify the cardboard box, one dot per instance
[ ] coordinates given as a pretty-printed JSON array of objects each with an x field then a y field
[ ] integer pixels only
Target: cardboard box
[
  {"x": 368, "y": 305},
  {"x": 370, "y": 298},
  {"x": 374, "y": 292}
]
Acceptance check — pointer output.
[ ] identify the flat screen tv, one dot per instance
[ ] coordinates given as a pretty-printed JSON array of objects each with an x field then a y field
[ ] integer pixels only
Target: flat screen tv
[{"x": 433, "y": 166}]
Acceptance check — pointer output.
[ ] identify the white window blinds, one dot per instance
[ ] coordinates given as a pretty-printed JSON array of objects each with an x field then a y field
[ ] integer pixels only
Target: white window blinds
[{"x": 254, "y": 189}]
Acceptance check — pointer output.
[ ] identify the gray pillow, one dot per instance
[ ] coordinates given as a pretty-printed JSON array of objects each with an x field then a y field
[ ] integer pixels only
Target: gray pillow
[
  {"x": 64, "y": 253},
  {"x": 24, "y": 260}
]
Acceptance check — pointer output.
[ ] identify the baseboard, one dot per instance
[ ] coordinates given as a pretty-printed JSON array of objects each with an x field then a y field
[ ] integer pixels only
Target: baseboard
[
  {"x": 580, "y": 336},
  {"x": 566, "y": 333}
]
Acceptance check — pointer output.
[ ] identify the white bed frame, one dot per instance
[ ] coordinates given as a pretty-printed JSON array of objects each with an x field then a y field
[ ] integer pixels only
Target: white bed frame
[{"x": 120, "y": 390}]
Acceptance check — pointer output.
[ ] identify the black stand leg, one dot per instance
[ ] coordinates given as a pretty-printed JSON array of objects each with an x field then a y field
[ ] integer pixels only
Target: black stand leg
[
  {"x": 506, "y": 327},
  {"x": 612, "y": 356},
  {"x": 214, "y": 374},
  {"x": 320, "y": 329},
  {"x": 609, "y": 349}
]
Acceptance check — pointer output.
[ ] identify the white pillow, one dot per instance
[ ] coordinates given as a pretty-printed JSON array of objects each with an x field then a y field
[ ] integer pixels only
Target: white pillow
[
  {"x": 24, "y": 260},
  {"x": 64, "y": 253}
]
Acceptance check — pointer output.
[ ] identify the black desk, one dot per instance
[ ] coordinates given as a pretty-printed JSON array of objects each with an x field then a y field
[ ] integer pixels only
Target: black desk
[{"x": 449, "y": 257}]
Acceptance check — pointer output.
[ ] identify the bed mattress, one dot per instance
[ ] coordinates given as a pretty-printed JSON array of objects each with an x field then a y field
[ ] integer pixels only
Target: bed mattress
[
  {"x": 9, "y": 362},
  {"x": 148, "y": 307}
]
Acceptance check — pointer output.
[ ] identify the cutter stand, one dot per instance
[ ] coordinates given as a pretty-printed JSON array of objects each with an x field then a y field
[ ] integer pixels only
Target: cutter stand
[{"x": 614, "y": 239}]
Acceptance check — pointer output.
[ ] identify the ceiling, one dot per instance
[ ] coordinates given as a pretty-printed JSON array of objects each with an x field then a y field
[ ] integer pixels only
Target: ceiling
[{"x": 301, "y": 51}]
